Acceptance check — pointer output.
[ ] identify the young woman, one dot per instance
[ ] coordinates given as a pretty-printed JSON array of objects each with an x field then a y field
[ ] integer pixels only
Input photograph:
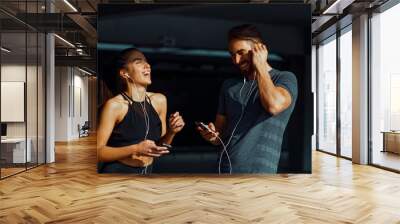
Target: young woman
[{"x": 132, "y": 125}]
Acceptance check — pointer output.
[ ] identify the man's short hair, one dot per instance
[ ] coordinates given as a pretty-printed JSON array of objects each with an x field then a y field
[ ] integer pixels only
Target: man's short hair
[{"x": 245, "y": 32}]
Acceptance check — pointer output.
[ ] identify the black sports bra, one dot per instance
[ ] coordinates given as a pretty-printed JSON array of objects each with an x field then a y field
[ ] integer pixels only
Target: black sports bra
[{"x": 132, "y": 128}]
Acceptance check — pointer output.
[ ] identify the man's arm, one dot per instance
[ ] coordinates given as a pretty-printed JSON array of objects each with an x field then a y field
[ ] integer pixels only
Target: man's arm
[
  {"x": 274, "y": 99},
  {"x": 220, "y": 121}
]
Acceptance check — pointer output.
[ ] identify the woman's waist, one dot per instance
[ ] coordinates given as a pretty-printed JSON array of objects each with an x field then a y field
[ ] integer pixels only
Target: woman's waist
[
  {"x": 126, "y": 139},
  {"x": 137, "y": 161},
  {"x": 122, "y": 142}
]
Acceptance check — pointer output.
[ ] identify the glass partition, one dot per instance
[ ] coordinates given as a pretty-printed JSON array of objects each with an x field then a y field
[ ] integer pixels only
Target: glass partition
[
  {"x": 327, "y": 96},
  {"x": 22, "y": 88},
  {"x": 346, "y": 93},
  {"x": 385, "y": 89}
]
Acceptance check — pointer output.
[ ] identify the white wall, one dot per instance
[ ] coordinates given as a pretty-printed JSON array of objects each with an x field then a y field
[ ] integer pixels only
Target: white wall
[
  {"x": 16, "y": 72},
  {"x": 33, "y": 127},
  {"x": 80, "y": 84},
  {"x": 71, "y": 93},
  {"x": 61, "y": 103}
]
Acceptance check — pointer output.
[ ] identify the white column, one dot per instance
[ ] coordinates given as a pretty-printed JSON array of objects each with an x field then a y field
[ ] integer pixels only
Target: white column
[
  {"x": 50, "y": 92},
  {"x": 360, "y": 90}
]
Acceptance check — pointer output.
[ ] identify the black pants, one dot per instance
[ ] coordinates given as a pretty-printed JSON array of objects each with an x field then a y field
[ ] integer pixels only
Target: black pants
[{"x": 117, "y": 167}]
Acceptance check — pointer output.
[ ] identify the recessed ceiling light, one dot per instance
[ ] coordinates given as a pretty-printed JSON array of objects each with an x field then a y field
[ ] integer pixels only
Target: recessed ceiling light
[
  {"x": 64, "y": 40},
  {"x": 84, "y": 71},
  {"x": 5, "y": 50},
  {"x": 70, "y": 5}
]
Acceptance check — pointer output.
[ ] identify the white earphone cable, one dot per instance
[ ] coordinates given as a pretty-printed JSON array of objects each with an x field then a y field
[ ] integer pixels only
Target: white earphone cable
[
  {"x": 225, "y": 146},
  {"x": 146, "y": 118}
]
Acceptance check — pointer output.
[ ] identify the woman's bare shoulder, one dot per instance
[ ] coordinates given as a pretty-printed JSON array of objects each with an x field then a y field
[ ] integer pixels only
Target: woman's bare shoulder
[
  {"x": 158, "y": 100},
  {"x": 115, "y": 104}
]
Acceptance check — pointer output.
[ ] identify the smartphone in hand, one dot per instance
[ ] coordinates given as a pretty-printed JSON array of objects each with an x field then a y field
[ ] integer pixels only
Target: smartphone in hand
[
  {"x": 203, "y": 126},
  {"x": 167, "y": 145}
]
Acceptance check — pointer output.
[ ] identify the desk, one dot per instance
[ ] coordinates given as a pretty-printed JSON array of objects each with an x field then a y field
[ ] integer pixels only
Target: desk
[
  {"x": 391, "y": 141},
  {"x": 15, "y": 148}
]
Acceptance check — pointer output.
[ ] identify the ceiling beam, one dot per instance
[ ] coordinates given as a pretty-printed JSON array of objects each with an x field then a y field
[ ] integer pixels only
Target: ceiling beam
[
  {"x": 82, "y": 61},
  {"x": 86, "y": 27},
  {"x": 80, "y": 20}
]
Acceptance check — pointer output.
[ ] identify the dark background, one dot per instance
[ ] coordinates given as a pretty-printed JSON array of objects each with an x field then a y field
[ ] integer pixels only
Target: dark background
[{"x": 186, "y": 46}]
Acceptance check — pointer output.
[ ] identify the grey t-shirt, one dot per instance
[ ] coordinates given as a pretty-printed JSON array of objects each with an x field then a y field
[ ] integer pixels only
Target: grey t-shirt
[{"x": 255, "y": 146}]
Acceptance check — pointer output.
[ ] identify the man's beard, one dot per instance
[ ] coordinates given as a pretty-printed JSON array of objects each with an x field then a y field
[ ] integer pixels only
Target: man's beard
[{"x": 246, "y": 70}]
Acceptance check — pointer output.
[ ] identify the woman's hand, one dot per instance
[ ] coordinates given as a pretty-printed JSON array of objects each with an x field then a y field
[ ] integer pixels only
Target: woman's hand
[
  {"x": 149, "y": 148},
  {"x": 175, "y": 123}
]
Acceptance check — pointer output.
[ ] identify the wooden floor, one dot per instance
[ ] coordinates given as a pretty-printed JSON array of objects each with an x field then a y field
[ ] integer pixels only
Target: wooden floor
[
  {"x": 70, "y": 191},
  {"x": 5, "y": 172}
]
